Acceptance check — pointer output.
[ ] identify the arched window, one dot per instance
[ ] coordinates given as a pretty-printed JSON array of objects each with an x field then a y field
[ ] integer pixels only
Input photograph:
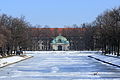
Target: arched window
[{"x": 59, "y": 41}]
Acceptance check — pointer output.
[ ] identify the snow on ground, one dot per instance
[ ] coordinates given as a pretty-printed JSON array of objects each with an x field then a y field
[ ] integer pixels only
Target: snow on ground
[
  {"x": 57, "y": 52},
  {"x": 96, "y": 54},
  {"x": 14, "y": 59},
  {"x": 60, "y": 65},
  {"x": 109, "y": 59},
  {"x": 11, "y": 60},
  {"x": 62, "y": 53}
]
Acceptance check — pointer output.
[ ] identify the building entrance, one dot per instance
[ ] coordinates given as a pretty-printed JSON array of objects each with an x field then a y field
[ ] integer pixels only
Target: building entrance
[{"x": 60, "y": 48}]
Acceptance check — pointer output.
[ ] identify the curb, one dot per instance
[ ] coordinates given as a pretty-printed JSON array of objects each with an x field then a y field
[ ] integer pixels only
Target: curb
[
  {"x": 16, "y": 62},
  {"x": 105, "y": 61}
]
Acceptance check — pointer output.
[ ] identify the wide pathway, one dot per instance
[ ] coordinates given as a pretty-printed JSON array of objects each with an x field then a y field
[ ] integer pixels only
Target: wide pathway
[{"x": 60, "y": 66}]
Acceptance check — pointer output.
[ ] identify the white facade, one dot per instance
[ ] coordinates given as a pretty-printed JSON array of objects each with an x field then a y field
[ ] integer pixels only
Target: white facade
[
  {"x": 60, "y": 43},
  {"x": 64, "y": 47}
]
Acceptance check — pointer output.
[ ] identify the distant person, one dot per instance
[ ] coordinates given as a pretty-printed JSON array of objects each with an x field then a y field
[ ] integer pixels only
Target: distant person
[{"x": 21, "y": 51}]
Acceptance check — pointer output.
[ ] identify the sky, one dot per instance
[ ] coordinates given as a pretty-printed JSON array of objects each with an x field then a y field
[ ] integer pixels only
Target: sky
[{"x": 57, "y": 13}]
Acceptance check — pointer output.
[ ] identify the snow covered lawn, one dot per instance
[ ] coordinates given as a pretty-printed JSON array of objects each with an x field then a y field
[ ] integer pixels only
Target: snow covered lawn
[
  {"x": 60, "y": 65},
  {"x": 108, "y": 59},
  {"x": 11, "y": 60}
]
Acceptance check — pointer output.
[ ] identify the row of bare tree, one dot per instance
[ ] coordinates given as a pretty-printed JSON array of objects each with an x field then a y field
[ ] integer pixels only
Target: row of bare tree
[
  {"x": 14, "y": 34},
  {"x": 104, "y": 32}
]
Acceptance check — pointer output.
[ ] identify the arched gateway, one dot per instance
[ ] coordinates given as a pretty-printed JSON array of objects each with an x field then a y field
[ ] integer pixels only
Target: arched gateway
[
  {"x": 60, "y": 48},
  {"x": 60, "y": 43}
]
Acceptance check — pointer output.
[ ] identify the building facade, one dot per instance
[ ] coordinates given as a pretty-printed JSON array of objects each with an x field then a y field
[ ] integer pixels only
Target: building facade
[
  {"x": 60, "y": 43},
  {"x": 44, "y": 39}
]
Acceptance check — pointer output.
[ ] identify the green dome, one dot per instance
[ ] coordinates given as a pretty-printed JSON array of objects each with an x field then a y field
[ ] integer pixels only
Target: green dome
[{"x": 60, "y": 39}]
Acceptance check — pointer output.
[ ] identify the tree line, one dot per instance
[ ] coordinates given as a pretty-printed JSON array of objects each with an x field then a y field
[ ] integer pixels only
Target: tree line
[
  {"x": 101, "y": 34},
  {"x": 104, "y": 32},
  {"x": 14, "y": 34}
]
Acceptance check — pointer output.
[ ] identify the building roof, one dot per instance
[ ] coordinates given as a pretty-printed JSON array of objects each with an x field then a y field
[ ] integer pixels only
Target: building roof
[
  {"x": 53, "y": 31},
  {"x": 59, "y": 29},
  {"x": 60, "y": 40}
]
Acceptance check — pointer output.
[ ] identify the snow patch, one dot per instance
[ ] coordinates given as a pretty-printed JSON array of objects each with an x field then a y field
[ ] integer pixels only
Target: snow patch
[
  {"x": 112, "y": 60},
  {"x": 10, "y": 60}
]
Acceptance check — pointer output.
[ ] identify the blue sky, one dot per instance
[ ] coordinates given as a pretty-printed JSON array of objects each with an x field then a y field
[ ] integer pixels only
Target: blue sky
[{"x": 57, "y": 13}]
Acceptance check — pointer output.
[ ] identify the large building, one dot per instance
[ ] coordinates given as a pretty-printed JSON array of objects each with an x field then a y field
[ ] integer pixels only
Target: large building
[
  {"x": 47, "y": 39},
  {"x": 60, "y": 43}
]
